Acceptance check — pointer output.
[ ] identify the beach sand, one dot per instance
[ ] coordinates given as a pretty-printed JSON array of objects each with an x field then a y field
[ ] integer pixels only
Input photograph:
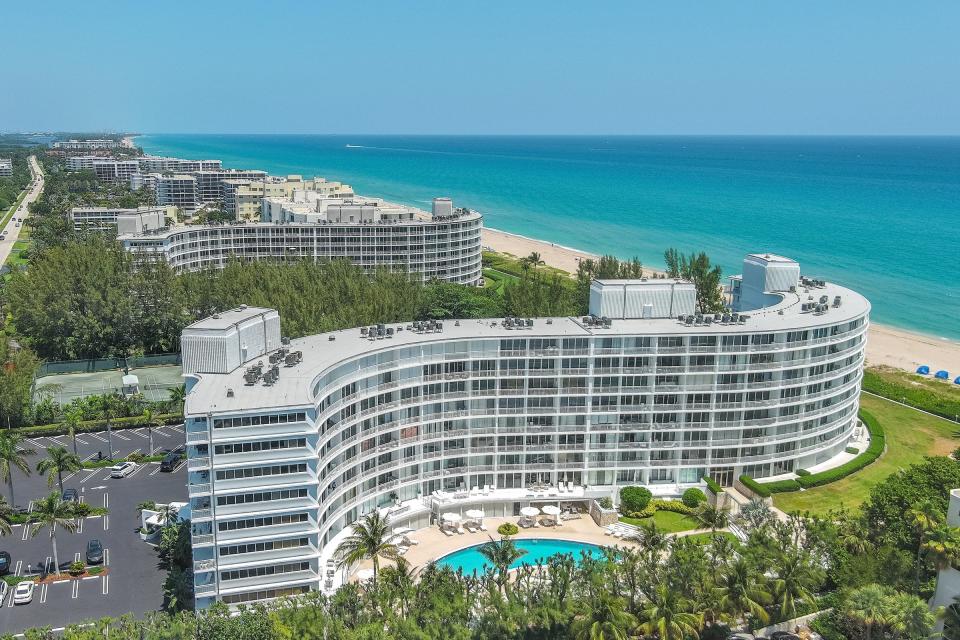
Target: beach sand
[{"x": 885, "y": 345}]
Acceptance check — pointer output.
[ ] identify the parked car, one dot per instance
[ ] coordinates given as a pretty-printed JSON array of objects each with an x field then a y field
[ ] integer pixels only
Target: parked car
[
  {"x": 122, "y": 470},
  {"x": 70, "y": 495},
  {"x": 94, "y": 552},
  {"x": 23, "y": 594},
  {"x": 171, "y": 461},
  {"x": 4, "y": 564}
]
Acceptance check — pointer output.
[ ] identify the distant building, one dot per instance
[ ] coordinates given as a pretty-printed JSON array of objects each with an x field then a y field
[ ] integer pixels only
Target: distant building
[
  {"x": 115, "y": 170},
  {"x": 144, "y": 181},
  {"x": 124, "y": 221},
  {"x": 179, "y": 190},
  {"x": 85, "y": 145},
  {"x": 243, "y": 199},
  {"x": 210, "y": 183},
  {"x": 444, "y": 245},
  {"x": 160, "y": 164},
  {"x": 6, "y": 167},
  {"x": 948, "y": 579}
]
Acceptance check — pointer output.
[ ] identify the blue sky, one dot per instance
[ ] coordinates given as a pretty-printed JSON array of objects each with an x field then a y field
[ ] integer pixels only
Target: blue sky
[{"x": 669, "y": 67}]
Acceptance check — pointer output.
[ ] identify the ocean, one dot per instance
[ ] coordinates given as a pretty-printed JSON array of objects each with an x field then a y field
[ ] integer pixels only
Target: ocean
[{"x": 880, "y": 215}]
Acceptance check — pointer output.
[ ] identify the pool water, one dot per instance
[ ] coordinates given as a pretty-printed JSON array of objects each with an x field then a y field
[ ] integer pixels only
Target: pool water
[{"x": 470, "y": 559}]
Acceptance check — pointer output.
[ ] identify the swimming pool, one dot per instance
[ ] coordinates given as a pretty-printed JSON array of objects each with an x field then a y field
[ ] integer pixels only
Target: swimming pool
[{"x": 470, "y": 559}]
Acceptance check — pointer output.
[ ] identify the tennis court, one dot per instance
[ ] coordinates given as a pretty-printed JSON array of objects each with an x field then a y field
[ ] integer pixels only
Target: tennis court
[{"x": 155, "y": 383}]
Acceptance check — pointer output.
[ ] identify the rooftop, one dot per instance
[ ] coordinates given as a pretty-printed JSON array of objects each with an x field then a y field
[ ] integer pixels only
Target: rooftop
[
  {"x": 324, "y": 351},
  {"x": 770, "y": 258},
  {"x": 227, "y": 319}
]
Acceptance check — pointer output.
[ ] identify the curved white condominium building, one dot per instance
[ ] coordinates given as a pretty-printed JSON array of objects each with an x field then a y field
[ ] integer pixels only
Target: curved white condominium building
[
  {"x": 289, "y": 442},
  {"x": 444, "y": 244}
]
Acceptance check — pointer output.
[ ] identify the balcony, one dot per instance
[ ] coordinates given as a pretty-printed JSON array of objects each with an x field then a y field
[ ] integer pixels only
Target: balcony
[
  {"x": 204, "y": 565},
  {"x": 198, "y": 464},
  {"x": 198, "y": 489},
  {"x": 206, "y": 589},
  {"x": 202, "y": 539}
]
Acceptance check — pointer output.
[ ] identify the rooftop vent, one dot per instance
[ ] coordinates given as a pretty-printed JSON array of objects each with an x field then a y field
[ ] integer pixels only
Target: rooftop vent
[{"x": 229, "y": 393}]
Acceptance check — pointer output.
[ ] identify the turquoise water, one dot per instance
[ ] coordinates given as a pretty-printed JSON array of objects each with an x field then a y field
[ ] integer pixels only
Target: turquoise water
[
  {"x": 880, "y": 215},
  {"x": 537, "y": 549}
]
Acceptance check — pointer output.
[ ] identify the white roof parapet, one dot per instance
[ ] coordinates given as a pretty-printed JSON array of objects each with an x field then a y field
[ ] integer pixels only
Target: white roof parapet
[
  {"x": 643, "y": 298},
  {"x": 224, "y": 341}
]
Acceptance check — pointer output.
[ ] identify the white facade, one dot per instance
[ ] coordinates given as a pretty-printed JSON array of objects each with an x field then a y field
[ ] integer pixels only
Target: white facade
[
  {"x": 161, "y": 164},
  {"x": 6, "y": 167},
  {"x": 178, "y": 190},
  {"x": 85, "y": 145},
  {"x": 447, "y": 249},
  {"x": 289, "y": 448},
  {"x": 125, "y": 221}
]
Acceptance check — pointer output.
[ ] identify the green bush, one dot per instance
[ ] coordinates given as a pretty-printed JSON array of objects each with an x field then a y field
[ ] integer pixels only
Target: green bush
[
  {"x": 76, "y": 568},
  {"x": 782, "y": 486},
  {"x": 672, "y": 505},
  {"x": 647, "y": 512},
  {"x": 132, "y": 422},
  {"x": 802, "y": 472},
  {"x": 634, "y": 498},
  {"x": 713, "y": 485},
  {"x": 693, "y": 496},
  {"x": 877, "y": 445},
  {"x": 754, "y": 486},
  {"x": 852, "y": 450},
  {"x": 605, "y": 502},
  {"x": 508, "y": 529}
]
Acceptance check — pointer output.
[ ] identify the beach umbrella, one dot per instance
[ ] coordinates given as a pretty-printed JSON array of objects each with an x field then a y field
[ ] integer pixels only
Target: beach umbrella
[
  {"x": 529, "y": 512},
  {"x": 942, "y": 374},
  {"x": 923, "y": 370},
  {"x": 474, "y": 514},
  {"x": 551, "y": 510},
  {"x": 957, "y": 380},
  {"x": 451, "y": 517}
]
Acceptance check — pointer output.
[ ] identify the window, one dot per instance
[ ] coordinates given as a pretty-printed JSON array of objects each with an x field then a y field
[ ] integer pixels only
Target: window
[
  {"x": 256, "y": 472},
  {"x": 262, "y": 496},
  {"x": 256, "y": 572},
  {"x": 269, "y": 445},
  {"x": 267, "y": 521},
  {"x": 247, "y": 421},
  {"x": 272, "y": 545}
]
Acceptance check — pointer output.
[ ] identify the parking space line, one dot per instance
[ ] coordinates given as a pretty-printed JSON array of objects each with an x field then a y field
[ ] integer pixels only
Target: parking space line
[
  {"x": 155, "y": 471},
  {"x": 35, "y": 443},
  {"x": 106, "y": 584},
  {"x": 120, "y": 435},
  {"x": 81, "y": 440},
  {"x": 43, "y": 592},
  {"x": 75, "y": 589},
  {"x": 180, "y": 429},
  {"x": 106, "y": 556},
  {"x": 19, "y": 568},
  {"x": 92, "y": 473},
  {"x": 134, "y": 451},
  {"x": 139, "y": 468},
  {"x": 26, "y": 532},
  {"x": 76, "y": 557},
  {"x": 162, "y": 433},
  {"x": 100, "y": 438},
  {"x": 57, "y": 440},
  {"x": 139, "y": 431},
  {"x": 88, "y": 458}
]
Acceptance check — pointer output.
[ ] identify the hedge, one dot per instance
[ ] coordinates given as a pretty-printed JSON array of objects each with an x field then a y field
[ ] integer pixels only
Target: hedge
[
  {"x": 130, "y": 422},
  {"x": 802, "y": 472},
  {"x": 852, "y": 450},
  {"x": 754, "y": 486},
  {"x": 782, "y": 486},
  {"x": 660, "y": 505},
  {"x": 713, "y": 485},
  {"x": 878, "y": 443}
]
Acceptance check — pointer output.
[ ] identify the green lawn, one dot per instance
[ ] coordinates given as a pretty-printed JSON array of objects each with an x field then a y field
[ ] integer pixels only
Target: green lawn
[
  {"x": 911, "y": 435},
  {"x": 706, "y": 538},
  {"x": 666, "y": 521}
]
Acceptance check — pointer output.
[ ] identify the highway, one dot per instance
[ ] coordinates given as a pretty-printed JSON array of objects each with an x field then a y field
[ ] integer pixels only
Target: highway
[{"x": 11, "y": 232}]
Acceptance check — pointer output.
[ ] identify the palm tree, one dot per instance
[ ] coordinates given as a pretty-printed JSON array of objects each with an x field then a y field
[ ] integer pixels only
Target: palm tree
[
  {"x": 178, "y": 396},
  {"x": 58, "y": 461},
  {"x": 925, "y": 517},
  {"x": 912, "y": 617},
  {"x": 795, "y": 577},
  {"x": 6, "y": 512},
  {"x": 605, "y": 620},
  {"x": 739, "y": 593},
  {"x": 869, "y": 606},
  {"x": 52, "y": 512},
  {"x": 534, "y": 259},
  {"x": 106, "y": 408},
  {"x": 943, "y": 546},
  {"x": 755, "y": 514},
  {"x": 151, "y": 421},
  {"x": 72, "y": 418},
  {"x": 369, "y": 540},
  {"x": 12, "y": 454},
  {"x": 169, "y": 514},
  {"x": 669, "y": 617},
  {"x": 712, "y": 517},
  {"x": 501, "y": 554}
]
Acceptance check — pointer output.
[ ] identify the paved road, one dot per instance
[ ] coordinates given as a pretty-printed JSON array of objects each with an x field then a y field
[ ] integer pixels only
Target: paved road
[{"x": 12, "y": 230}]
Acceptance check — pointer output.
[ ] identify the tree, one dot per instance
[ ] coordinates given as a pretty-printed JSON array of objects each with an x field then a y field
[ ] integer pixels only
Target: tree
[
  {"x": 669, "y": 616},
  {"x": 705, "y": 277},
  {"x": 740, "y": 593},
  {"x": 634, "y": 499},
  {"x": 151, "y": 421},
  {"x": 712, "y": 517},
  {"x": 796, "y": 578},
  {"x": 502, "y": 554},
  {"x": 534, "y": 260},
  {"x": 369, "y": 540},
  {"x": 169, "y": 514},
  {"x": 72, "y": 417},
  {"x": 50, "y": 513},
  {"x": 6, "y": 513},
  {"x": 924, "y": 517},
  {"x": 604, "y": 620},
  {"x": 12, "y": 456},
  {"x": 756, "y": 514},
  {"x": 178, "y": 396},
  {"x": 57, "y": 462}
]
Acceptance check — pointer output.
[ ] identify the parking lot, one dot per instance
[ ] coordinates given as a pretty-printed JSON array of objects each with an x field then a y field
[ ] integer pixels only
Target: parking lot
[{"x": 131, "y": 581}]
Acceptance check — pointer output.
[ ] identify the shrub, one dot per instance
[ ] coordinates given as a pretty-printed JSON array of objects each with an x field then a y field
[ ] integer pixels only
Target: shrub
[
  {"x": 76, "y": 568},
  {"x": 672, "y": 505},
  {"x": 713, "y": 485},
  {"x": 645, "y": 513},
  {"x": 802, "y": 472},
  {"x": 693, "y": 496},
  {"x": 755, "y": 486},
  {"x": 605, "y": 502},
  {"x": 508, "y": 529},
  {"x": 86, "y": 426},
  {"x": 852, "y": 450},
  {"x": 82, "y": 509},
  {"x": 782, "y": 486},
  {"x": 136, "y": 456},
  {"x": 634, "y": 498}
]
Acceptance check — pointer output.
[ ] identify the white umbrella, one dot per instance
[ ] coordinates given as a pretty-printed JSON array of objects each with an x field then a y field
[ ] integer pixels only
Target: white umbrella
[
  {"x": 529, "y": 512},
  {"x": 399, "y": 531},
  {"x": 451, "y": 517},
  {"x": 364, "y": 574},
  {"x": 551, "y": 510},
  {"x": 474, "y": 514}
]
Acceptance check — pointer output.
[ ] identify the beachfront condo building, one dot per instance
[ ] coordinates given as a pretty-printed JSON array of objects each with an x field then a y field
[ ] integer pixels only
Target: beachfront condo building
[
  {"x": 123, "y": 221},
  {"x": 443, "y": 244},
  {"x": 178, "y": 190},
  {"x": 162, "y": 164},
  {"x": 106, "y": 169},
  {"x": 291, "y": 441},
  {"x": 85, "y": 145},
  {"x": 243, "y": 199},
  {"x": 210, "y": 188},
  {"x": 6, "y": 167}
]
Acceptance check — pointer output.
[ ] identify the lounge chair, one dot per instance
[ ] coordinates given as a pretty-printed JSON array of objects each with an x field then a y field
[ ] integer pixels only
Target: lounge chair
[
  {"x": 447, "y": 532},
  {"x": 410, "y": 542},
  {"x": 460, "y": 530},
  {"x": 470, "y": 528},
  {"x": 570, "y": 486},
  {"x": 483, "y": 527},
  {"x": 535, "y": 524}
]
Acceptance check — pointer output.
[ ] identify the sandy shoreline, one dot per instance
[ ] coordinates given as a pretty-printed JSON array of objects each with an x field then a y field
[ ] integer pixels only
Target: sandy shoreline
[{"x": 885, "y": 345}]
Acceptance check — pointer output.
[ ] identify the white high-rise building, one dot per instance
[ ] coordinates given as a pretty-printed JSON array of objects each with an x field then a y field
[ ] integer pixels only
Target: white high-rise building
[
  {"x": 371, "y": 234},
  {"x": 123, "y": 221},
  {"x": 85, "y": 145},
  {"x": 290, "y": 442},
  {"x": 6, "y": 167},
  {"x": 179, "y": 190}
]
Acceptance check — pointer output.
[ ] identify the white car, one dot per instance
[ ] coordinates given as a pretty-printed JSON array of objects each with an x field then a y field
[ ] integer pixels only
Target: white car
[
  {"x": 23, "y": 594},
  {"x": 123, "y": 469}
]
